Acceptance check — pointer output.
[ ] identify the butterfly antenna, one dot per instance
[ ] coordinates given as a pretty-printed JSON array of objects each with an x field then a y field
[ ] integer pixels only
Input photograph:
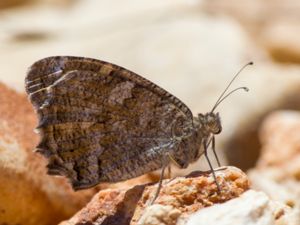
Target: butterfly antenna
[{"x": 220, "y": 99}]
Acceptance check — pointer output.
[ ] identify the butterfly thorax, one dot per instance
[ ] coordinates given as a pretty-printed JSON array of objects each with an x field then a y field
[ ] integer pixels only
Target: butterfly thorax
[{"x": 192, "y": 145}]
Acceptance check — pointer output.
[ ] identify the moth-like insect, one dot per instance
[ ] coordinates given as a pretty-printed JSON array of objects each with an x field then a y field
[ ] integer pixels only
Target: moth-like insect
[{"x": 100, "y": 122}]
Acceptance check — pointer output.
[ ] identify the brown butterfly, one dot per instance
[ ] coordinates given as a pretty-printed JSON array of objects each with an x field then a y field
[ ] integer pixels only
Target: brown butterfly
[{"x": 100, "y": 122}]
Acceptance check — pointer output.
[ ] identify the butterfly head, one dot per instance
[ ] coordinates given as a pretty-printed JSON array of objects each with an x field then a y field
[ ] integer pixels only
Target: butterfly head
[{"x": 210, "y": 123}]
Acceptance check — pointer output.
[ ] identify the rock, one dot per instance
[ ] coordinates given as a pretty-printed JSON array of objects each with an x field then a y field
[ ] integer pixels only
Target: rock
[
  {"x": 28, "y": 195},
  {"x": 159, "y": 215},
  {"x": 281, "y": 151},
  {"x": 178, "y": 198},
  {"x": 189, "y": 194},
  {"x": 111, "y": 207},
  {"x": 281, "y": 142},
  {"x": 277, "y": 171},
  {"x": 251, "y": 208}
]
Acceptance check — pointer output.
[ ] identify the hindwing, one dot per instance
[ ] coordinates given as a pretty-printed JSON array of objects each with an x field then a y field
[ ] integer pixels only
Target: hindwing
[{"x": 101, "y": 122}]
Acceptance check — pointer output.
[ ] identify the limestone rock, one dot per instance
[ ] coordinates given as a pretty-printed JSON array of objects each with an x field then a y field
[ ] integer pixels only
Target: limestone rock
[
  {"x": 281, "y": 152},
  {"x": 159, "y": 215},
  {"x": 281, "y": 141},
  {"x": 110, "y": 206},
  {"x": 251, "y": 208},
  {"x": 178, "y": 199},
  {"x": 277, "y": 171}
]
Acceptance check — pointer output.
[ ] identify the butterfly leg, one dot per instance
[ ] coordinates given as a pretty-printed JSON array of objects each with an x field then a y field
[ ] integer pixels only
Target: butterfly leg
[
  {"x": 166, "y": 163},
  {"x": 210, "y": 166},
  {"x": 213, "y": 145},
  {"x": 159, "y": 183},
  {"x": 169, "y": 171}
]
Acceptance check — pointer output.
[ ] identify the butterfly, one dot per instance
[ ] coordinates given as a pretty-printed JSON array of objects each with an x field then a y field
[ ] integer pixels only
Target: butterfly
[{"x": 99, "y": 122}]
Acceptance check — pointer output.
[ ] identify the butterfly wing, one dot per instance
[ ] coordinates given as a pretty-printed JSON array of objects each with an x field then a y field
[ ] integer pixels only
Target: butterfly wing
[{"x": 101, "y": 122}]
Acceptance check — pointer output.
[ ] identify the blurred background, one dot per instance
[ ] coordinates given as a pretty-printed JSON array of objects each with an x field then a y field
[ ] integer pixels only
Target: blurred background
[{"x": 192, "y": 48}]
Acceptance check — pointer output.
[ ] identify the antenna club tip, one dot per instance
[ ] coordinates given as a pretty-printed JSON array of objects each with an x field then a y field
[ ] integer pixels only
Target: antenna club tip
[{"x": 250, "y": 63}]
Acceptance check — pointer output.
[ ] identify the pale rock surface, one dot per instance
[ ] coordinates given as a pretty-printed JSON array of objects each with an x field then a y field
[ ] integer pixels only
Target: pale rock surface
[
  {"x": 251, "y": 208},
  {"x": 159, "y": 215},
  {"x": 277, "y": 171}
]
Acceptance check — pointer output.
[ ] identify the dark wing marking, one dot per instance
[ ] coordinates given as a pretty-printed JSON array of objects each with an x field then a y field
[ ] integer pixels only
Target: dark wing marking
[{"x": 101, "y": 122}]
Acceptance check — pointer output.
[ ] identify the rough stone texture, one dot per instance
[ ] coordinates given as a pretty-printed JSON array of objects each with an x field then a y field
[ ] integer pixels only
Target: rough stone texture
[
  {"x": 277, "y": 171},
  {"x": 178, "y": 198},
  {"x": 109, "y": 207},
  {"x": 28, "y": 195},
  {"x": 251, "y": 208},
  {"x": 159, "y": 215}
]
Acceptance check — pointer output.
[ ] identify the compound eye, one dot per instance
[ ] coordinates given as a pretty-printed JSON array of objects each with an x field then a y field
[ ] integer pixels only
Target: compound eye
[{"x": 219, "y": 130}]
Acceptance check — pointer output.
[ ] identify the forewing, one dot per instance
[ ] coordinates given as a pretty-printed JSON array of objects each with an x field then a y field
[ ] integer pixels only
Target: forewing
[{"x": 101, "y": 122}]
